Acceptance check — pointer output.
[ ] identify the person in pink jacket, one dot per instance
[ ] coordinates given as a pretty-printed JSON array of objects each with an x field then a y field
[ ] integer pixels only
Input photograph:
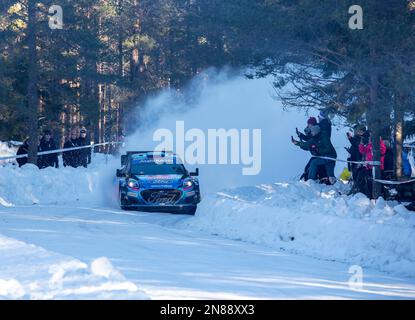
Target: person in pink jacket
[{"x": 365, "y": 148}]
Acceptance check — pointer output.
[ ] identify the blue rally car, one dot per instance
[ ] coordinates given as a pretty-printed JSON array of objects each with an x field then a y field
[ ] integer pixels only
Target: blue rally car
[{"x": 157, "y": 182}]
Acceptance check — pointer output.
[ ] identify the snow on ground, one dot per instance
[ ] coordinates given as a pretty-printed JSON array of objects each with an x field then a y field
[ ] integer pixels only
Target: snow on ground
[
  {"x": 300, "y": 217},
  {"x": 166, "y": 262},
  {"x": 71, "y": 224},
  {"x": 31, "y": 272},
  {"x": 28, "y": 185},
  {"x": 314, "y": 220},
  {"x": 72, "y": 213}
]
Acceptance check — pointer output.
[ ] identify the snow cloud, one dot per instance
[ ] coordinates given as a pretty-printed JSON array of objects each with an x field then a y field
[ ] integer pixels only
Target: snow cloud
[{"x": 227, "y": 100}]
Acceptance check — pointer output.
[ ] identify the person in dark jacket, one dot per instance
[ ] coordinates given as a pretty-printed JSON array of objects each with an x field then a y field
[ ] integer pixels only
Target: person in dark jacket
[
  {"x": 322, "y": 174},
  {"x": 84, "y": 154},
  {"x": 307, "y": 131},
  {"x": 324, "y": 123},
  {"x": 319, "y": 145},
  {"x": 23, "y": 149},
  {"x": 353, "y": 150},
  {"x": 387, "y": 173},
  {"x": 47, "y": 144},
  {"x": 71, "y": 158}
]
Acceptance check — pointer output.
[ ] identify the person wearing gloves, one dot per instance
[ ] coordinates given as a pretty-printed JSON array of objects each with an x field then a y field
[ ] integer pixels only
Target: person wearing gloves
[
  {"x": 307, "y": 131},
  {"x": 319, "y": 145}
]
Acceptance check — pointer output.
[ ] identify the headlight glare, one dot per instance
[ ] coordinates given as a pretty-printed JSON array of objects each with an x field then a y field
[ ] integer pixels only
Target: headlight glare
[
  {"x": 133, "y": 184},
  {"x": 187, "y": 184}
]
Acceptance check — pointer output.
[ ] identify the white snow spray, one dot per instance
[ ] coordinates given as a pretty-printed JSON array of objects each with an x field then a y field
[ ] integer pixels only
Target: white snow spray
[{"x": 227, "y": 100}]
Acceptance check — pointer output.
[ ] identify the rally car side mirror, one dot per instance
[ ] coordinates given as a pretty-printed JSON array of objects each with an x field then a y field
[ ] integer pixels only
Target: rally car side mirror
[
  {"x": 123, "y": 159},
  {"x": 195, "y": 174},
  {"x": 119, "y": 173}
]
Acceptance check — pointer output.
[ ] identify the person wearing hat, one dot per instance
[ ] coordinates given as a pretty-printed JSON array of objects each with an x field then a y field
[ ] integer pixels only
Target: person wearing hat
[
  {"x": 47, "y": 144},
  {"x": 319, "y": 145},
  {"x": 353, "y": 150},
  {"x": 85, "y": 153},
  {"x": 307, "y": 134},
  {"x": 71, "y": 157},
  {"x": 324, "y": 123}
]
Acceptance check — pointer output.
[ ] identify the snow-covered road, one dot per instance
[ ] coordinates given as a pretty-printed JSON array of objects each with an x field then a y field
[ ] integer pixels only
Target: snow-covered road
[{"x": 170, "y": 262}]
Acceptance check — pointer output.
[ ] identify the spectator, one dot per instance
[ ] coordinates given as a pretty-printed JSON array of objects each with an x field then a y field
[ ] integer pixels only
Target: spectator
[
  {"x": 322, "y": 174},
  {"x": 362, "y": 182},
  {"x": 387, "y": 172},
  {"x": 47, "y": 144},
  {"x": 353, "y": 150},
  {"x": 23, "y": 149},
  {"x": 307, "y": 134},
  {"x": 319, "y": 145},
  {"x": 71, "y": 158},
  {"x": 84, "y": 154},
  {"x": 365, "y": 148},
  {"x": 324, "y": 124}
]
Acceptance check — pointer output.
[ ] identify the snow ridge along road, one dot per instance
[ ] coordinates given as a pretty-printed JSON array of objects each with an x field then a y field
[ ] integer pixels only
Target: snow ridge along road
[
  {"x": 32, "y": 272},
  {"x": 162, "y": 261},
  {"x": 245, "y": 242}
]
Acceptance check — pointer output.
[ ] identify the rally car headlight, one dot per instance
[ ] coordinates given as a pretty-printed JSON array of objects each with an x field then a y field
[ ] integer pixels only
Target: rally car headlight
[
  {"x": 133, "y": 184},
  {"x": 187, "y": 184}
]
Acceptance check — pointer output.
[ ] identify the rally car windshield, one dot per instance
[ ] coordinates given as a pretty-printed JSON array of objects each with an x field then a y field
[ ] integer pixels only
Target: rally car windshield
[{"x": 151, "y": 168}]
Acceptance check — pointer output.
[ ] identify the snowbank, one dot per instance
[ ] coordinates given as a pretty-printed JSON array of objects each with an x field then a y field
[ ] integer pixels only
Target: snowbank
[
  {"x": 28, "y": 185},
  {"x": 31, "y": 272},
  {"x": 314, "y": 220}
]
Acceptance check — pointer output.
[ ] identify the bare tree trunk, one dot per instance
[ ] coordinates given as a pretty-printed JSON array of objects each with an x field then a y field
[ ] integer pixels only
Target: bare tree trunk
[
  {"x": 109, "y": 116},
  {"x": 32, "y": 93},
  {"x": 96, "y": 135},
  {"x": 120, "y": 43},
  {"x": 101, "y": 114},
  {"x": 399, "y": 119},
  {"x": 63, "y": 128},
  {"x": 375, "y": 127}
]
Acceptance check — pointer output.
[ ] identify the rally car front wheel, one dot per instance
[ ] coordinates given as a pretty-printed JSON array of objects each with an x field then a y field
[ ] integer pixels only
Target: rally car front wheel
[{"x": 123, "y": 202}]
